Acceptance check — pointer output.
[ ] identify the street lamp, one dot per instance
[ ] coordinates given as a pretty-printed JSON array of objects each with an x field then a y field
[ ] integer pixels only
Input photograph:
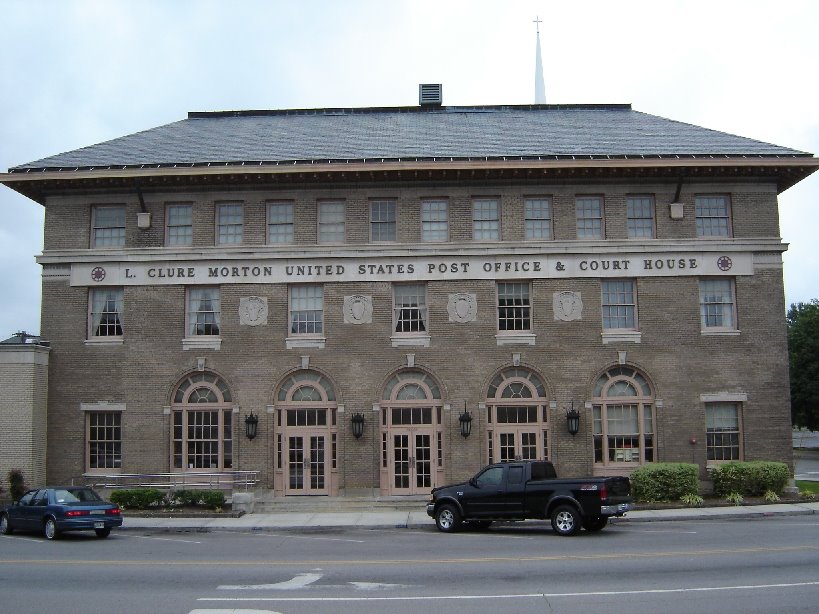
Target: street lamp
[
  {"x": 466, "y": 423},
  {"x": 573, "y": 420},
  {"x": 358, "y": 425},
  {"x": 251, "y": 425}
]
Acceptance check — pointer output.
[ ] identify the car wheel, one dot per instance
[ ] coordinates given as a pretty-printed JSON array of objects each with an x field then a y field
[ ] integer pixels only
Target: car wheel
[
  {"x": 102, "y": 533},
  {"x": 566, "y": 520},
  {"x": 596, "y": 523},
  {"x": 50, "y": 529},
  {"x": 5, "y": 527},
  {"x": 448, "y": 518}
]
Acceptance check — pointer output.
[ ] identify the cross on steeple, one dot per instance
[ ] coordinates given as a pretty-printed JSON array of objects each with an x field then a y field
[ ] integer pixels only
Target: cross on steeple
[{"x": 537, "y": 23}]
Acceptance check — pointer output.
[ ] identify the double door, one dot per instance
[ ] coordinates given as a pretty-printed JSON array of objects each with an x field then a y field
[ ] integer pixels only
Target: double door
[
  {"x": 522, "y": 442},
  {"x": 410, "y": 459},
  {"x": 306, "y": 464}
]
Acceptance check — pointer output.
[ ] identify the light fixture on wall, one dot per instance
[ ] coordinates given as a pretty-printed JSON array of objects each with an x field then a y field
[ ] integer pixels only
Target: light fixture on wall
[
  {"x": 358, "y": 425},
  {"x": 573, "y": 420},
  {"x": 465, "y": 420},
  {"x": 251, "y": 425}
]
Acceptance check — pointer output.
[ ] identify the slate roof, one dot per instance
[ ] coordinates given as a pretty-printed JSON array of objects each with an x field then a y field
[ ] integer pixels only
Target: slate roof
[{"x": 409, "y": 133}]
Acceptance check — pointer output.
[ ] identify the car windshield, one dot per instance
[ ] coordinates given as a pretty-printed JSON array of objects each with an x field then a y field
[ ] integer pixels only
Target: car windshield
[{"x": 73, "y": 496}]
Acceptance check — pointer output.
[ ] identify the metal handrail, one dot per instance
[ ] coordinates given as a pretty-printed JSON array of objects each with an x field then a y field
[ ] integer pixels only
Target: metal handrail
[{"x": 233, "y": 480}]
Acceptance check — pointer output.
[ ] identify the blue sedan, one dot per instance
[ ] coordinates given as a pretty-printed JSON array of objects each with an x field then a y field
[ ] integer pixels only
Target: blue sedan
[{"x": 55, "y": 510}]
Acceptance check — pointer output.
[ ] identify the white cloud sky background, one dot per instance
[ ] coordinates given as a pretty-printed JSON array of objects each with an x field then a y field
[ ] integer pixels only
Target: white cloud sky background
[{"x": 77, "y": 73}]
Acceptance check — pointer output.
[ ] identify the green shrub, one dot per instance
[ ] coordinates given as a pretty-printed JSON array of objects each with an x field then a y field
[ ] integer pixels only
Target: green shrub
[
  {"x": 771, "y": 496},
  {"x": 213, "y": 498},
  {"x": 751, "y": 479},
  {"x": 17, "y": 487},
  {"x": 734, "y": 498},
  {"x": 138, "y": 498},
  {"x": 190, "y": 498},
  {"x": 692, "y": 500},
  {"x": 665, "y": 481}
]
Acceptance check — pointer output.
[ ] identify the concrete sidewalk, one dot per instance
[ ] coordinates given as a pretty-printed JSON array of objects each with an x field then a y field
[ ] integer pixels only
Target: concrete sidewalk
[{"x": 398, "y": 519}]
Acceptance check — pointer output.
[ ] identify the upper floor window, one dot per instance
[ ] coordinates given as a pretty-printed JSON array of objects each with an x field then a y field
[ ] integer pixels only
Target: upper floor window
[
  {"x": 619, "y": 305},
  {"x": 306, "y": 310},
  {"x": 179, "y": 225},
  {"x": 485, "y": 220},
  {"x": 331, "y": 222},
  {"x": 640, "y": 217},
  {"x": 538, "y": 214},
  {"x": 204, "y": 311},
  {"x": 105, "y": 317},
  {"x": 589, "y": 212},
  {"x": 713, "y": 214},
  {"x": 717, "y": 304},
  {"x": 410, "y": 308},
  {"x": 434, "y": 220},
  {"x": 108, "y": 226},
  {"x": 280, "y": 222},
  {"x": 229, "y": 223},
  {"x": 722, "y": 432},
  {"x": 514, "y": 306},
  {"x": 382, "y": 220}
]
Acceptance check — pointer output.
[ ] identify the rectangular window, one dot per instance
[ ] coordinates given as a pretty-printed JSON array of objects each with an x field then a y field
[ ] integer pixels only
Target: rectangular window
[
  {"x": 382, "y": 221},
  {"x": 229, "y": 222},
  {"x": 202, "y": 439},
  {"x": 717, "y": 303},
  {"x": 280, "y": 222},
  {"x": 410, "y": 308},
  {"x": 538, "y": 214},
  {"x": 331, "y": 222},
  {"x": 179, "y": 225},
  {"x": 514, "y": 308},
  {"x": 306, "y": 310},
  {"x": 105, "y": 313},
  {"x": 589, "y": 211},
  {"x": 108, "y": 226},
  {"x": 722, "y": 431},
  {"x": 713, "y": 216},
  {"x": 640, "y": 217},
  {"x": 104, "y": 440},
  {"x": 434, "y": 221},
  {"x": 204, "y": 311},
  {"x": 485, "y": 220},
  {"x": 619, "y": 305}
]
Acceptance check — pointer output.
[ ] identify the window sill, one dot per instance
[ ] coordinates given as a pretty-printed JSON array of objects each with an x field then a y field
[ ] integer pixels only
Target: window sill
[
  {"x": 401, "y": 341},
  {"x": 202, "y": 343},
  {"x": 305, "y": 342},
  {"x": 103, "y": 341},
  {"x": 515, "y": 339},
  {"x": 719, "y": 332},
  {"x": 624, "y": 336}
]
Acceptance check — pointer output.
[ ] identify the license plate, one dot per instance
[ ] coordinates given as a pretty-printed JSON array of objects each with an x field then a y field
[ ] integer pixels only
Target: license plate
[
  {"x": 97, "y": 512},
  {"x": 99, "y": 525}
]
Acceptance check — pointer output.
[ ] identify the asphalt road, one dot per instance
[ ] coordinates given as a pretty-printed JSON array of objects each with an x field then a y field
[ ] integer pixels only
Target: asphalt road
[{"x": 725, "y": 566}]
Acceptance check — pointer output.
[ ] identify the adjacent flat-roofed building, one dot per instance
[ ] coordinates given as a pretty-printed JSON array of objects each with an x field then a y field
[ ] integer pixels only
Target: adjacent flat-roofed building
[{"x": 400, "y": 295}]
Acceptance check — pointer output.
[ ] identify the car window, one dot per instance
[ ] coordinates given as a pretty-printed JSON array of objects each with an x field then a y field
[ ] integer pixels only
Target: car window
[
  {"x": 64, "y": 496},
  {"x": 41, "y": 498},
  {"x": 491, "y": 477},
  {"x": 26, "y": 498},
  {"x": 80, "y": 495}
]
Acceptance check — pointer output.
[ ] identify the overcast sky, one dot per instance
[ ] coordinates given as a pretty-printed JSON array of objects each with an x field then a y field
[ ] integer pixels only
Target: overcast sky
[{"x": 82, "y": 72}]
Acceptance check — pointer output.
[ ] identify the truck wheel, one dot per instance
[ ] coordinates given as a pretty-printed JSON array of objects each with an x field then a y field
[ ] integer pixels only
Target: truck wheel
[
  {"x": 566, "y": 520},
  {"x": 448, "y": 518},
  {"x": 595, "y": 523}
]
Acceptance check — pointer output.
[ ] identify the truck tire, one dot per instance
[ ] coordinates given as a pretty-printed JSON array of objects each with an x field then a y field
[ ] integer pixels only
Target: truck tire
[
  {"x": 595, "y": 523},
  {"x": 566, "y": 520},
  {"x": 448, "y": 518}
]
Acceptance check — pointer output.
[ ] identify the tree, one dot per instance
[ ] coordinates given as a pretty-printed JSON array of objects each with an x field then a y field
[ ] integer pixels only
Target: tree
[{"x": 803, "y": 353}]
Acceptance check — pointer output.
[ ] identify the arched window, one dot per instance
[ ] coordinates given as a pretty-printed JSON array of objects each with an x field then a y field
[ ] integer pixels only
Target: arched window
[
  {"x": 517, "y": 416},
  {"x": 202, "y": 433},
  {"x": 623, "y": 406}
]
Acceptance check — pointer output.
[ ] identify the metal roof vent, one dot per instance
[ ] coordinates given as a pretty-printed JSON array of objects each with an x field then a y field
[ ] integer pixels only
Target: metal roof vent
[{"x": 430, "y": 95}]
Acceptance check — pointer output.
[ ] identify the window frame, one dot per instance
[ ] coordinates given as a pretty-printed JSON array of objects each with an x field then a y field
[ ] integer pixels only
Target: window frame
[
  {"x": 115, "y": 240},
  {"x": 495, "y": 231},
  {"x": 526, "y": 309},
  {"x": 529, "y": 220},
  {"x": 703, "y": 306},
  {"x": 434, "y": 220},
  {"x": 337, "y": 236},
  {"x": 169, "y": 227},
  {"x": 381, "y": 224},
  {"x": 632, "y": 306},
  {"x": 94, "y": 324},
  {"x": 711, "y": 434},
  {"x": 233, "y": 230},
  {"x": 601, "y": 218},
  {"x": 420, "y": 307},
  {"x": 307, "y": 323},
  {"x": 288, "y": 223},
  {"x": 112, "y": 446},
  {"x": 701, "y": 200},
  {"x": 632, "y": 228},
  {"x": 192, "y": 322}
]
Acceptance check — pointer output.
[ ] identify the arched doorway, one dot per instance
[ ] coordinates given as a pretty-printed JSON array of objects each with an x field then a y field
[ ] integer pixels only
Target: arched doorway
[
  {"x": 202, "y": 419},
  {"x": 517, "y": 417},
  {"x": 411, "y": 436},
  {"x": 623, "y": 416},
  {"x": 306, "y": 435}
]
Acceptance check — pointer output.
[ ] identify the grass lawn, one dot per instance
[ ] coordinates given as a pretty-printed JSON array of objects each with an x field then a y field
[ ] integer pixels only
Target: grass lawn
[{"x": 806, "y": 486}]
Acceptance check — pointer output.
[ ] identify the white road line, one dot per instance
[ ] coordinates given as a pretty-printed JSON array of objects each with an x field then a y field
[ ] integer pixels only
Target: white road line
[
  {"x": 698, "y": 589},
  {"x": 330, "y": 539},
  {"x": 27, "y": 539},
  {"x": 300, "y": 581},
  {"x": 162, "y": 539},
  {"x": 220, "y": 611}
]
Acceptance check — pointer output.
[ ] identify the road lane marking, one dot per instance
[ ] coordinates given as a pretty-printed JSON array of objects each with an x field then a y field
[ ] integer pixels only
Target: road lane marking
[
  {"x": 300, "y": 581},
  {"x": 652, "y": 591},
  {"x": 233, "y": 611},
  {"x": 25, "y": 539},
  {"x": 163, "y": 539},
  {"x": 279, "y": 535},
  {"x": 451, "y": 561}
]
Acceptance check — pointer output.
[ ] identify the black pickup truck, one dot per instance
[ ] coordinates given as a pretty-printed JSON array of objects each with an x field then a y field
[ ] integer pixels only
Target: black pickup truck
[{"x": 530, "y": 489}]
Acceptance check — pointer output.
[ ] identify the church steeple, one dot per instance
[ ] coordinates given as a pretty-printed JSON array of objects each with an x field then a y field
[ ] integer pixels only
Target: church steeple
[{"x": 540, "y": 86}]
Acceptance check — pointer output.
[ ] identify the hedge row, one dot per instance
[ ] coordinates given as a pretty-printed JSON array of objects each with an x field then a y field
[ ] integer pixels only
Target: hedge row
[
  {"x": 665, "y": 481},
  {"x": 145, "y": 498},
  {"x": 751, "y": 479}
]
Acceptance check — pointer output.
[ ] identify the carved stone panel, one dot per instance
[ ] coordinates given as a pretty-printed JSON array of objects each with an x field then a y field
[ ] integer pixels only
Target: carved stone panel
[
  {"x": 358, "y": 309},
  {"x": 252, "y": 311},
  {"x": 567, "y": 306},
  {"x": 462, "y": 307}
]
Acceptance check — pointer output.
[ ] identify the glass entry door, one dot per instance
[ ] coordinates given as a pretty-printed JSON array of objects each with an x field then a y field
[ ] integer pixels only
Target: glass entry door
[
  {"x": 519, "y": 443},
  {"x": 411, "y": 461},
  {"x": 306, "y": 468}
]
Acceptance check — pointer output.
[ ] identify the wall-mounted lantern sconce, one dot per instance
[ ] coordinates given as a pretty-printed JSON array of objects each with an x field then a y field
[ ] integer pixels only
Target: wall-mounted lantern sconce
[
  {"x": 573, "y": 420},
  {"x": 251, "y": 425},
  {"x": 358, "y": 425},
  {"x": 466, "y": 423}
]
